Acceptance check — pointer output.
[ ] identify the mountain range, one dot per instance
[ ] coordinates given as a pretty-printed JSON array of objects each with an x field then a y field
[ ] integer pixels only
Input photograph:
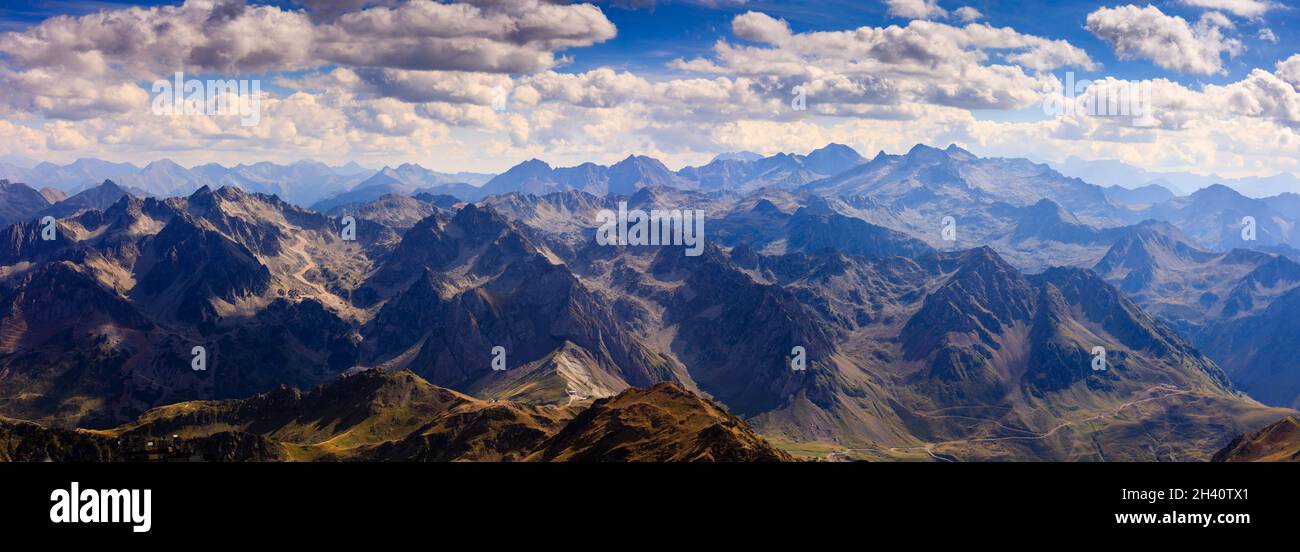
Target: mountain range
[
  {"x": 301, "y": 183},
  {"x": 310, "y": 183},
  {"x": 1116, "y": 174},
  {"x": 397, "y": 416},
  {"x": 497, "y": 328}
]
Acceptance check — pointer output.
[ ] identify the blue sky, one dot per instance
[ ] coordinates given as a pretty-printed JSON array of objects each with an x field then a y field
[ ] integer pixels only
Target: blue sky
[
  {"x": 650, "y": 37},
  {"x": 639, "y": 78}
]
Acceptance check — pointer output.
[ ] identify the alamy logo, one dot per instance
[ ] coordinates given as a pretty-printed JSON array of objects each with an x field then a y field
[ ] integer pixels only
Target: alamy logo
[
  {"x": 636, "y": 227},
  {"x": 1109, "y": 98},
  {"x": 800, "y": 100},
  {"x": 49, "y": 228},
  {"x": 1099, "y": 359},
  {"x": 500, "y": 99},
  {"x": 499, "y": 358},
  {"x": 102, "y": 506},
  {"x": 1248, "y": 228},
  {"x": 213, "y": 97},
  {"x": 949, "y": 229},
  {"x": 200, "y": 358},
  {"x": 349, "y": 231}
]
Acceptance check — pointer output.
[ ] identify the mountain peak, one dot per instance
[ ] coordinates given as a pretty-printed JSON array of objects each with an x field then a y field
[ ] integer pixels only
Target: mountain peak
[
  {"x": 923, "y": 154},
  {"x": 953, "y": 150},
  {"x": 661, "y": 423},
  {"x": 480, "y": 218},
  {"x": 745, "y": 156},
  {"x": 833, "y": 159},
  {"x": 109, "y": 185},
  {"x": 923, "y": 149},
  {"x": 1143, "y": 249},
  {"x": 232, "y": 192},
  {"x": 1215, "y": 192},
  {"x": 532, "y": 167},
  {"x": 640, "y": 161},
  {"x": 985, "y": 260},
  {"x": 163, "y": 164},
  {"x": 1048, "y": 210},
  {"x": 833, "y": 147}
]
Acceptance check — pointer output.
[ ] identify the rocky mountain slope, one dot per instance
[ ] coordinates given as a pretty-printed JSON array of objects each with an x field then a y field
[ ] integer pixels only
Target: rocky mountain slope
[
  {"x": 19, "y": 202},
  {"x": 397, "y": 416},
  {"x": 1279, "y": 442},
  {"x": 663, "y": 423},
  {"x": 1232, "y": 305}
]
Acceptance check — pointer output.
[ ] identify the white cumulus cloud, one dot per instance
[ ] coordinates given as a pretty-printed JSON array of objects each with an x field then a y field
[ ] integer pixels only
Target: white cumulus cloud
[
  {"x": 1168, "y": 41},
  {"x": 915, "y": 9},
  {"x": 1242, "y": 8}
]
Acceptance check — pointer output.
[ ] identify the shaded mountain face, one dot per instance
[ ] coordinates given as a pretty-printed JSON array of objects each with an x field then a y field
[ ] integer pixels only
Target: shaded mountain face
[
  {"x": 1279, "y": 442},
  {"x": 99, "y": 198},
  {"x": 226, "y": 271},
  {"x": 1258, "y": 350},
  {"x": 733, "y": 333},
  {"x": 1048, "y": 221},
  {"x": 197, "y": 264},
  {"x": 394, "y": 211},
  {"x": 987, "y": 322},
  {"x": 66, "y": 344},
  {"x": 1234, "y": 306},
  {"x": 19, "y": 202},
  {"x": 397, "y": 416},
  {"x": 763, "y": 226},
  {"x": 811, "y": 231},
  {"x": 372, "y": 189},
  {"x": 456, "y": 289},
  {"x": 1151, "y": 243}
]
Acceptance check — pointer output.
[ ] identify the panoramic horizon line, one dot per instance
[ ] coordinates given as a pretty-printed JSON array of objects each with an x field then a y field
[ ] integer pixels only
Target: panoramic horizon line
[{"x": 1056, "y": 165}]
